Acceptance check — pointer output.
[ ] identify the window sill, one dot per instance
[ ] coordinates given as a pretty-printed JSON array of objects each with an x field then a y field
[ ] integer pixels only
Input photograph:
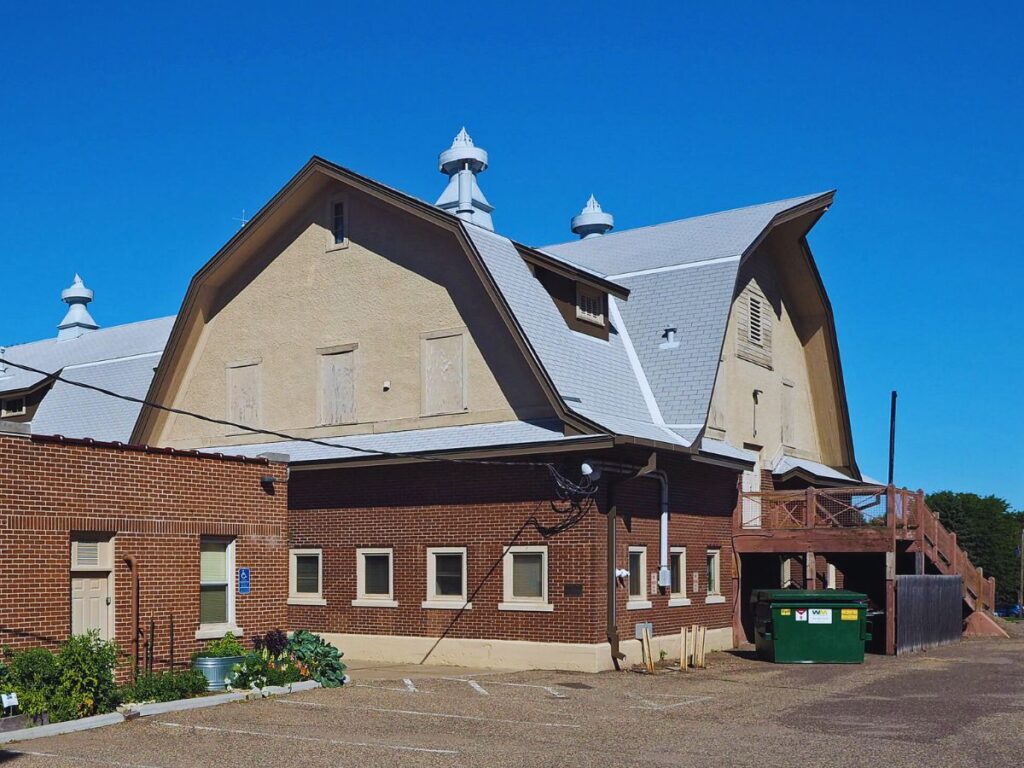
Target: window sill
[
  {"x": 446, "y": 605},
  {"x": 371, "y": 602},
  {"x": 638, "y": 605},
  {"x": 538, "y": 607},
  {"x": 293, "y": 600},
  {"x": 714, "y": 599},
  {"x": 677, "y": 602},
  {"x": 217, "y": 631}
]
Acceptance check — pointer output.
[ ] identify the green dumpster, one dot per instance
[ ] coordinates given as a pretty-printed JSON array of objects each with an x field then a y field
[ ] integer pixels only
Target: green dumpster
[{"x": 795, "y": 626}]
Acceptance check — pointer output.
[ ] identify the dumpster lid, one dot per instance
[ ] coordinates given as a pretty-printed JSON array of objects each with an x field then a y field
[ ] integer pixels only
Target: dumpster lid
[{"x": 807, "y": 596}]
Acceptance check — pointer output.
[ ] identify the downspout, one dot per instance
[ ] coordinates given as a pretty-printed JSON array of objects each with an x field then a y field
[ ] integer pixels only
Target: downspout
[
  {"x": 664, "y": 573},
  {"x": 133, "y": 565}
]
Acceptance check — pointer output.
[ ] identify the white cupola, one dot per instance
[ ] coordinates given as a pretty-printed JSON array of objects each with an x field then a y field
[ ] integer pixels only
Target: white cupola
[
  {"x": 592, "y": 221},
  {"x": 461, "y": 163},
  {"x": 78, "y": 320}
]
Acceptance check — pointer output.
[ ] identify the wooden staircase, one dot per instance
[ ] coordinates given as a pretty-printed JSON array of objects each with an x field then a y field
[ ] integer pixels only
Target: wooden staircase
[{"x": 865, "y": 518}]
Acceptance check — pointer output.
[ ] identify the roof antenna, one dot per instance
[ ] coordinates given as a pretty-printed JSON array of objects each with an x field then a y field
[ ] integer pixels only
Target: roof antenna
[{"x": 242, "y": 220}]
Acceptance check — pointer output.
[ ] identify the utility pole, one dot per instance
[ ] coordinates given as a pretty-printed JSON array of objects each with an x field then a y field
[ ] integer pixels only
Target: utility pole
[
  {"x": 1020, "y": 555},
  {"x": 892, "y": 434}
]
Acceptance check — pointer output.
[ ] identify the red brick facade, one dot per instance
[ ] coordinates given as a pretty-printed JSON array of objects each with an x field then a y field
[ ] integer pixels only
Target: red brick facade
[
  {"x": 156, "y": 504},
  {"x": 481, "y": 508}
]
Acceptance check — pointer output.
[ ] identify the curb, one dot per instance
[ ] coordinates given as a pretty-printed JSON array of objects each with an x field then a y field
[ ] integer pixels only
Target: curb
[{"x": 157, "y": 708}]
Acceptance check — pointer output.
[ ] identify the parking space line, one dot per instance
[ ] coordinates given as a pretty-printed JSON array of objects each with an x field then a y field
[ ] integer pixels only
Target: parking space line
[
  {"x": 290, "y": 737},
  {"x": 647, "y": 704},
  {"x": 477, "y": 687},
  {"x": 465, "y": 717},
  {"x": 408, "y": 685},
  {"x": 76, "y": 758}
]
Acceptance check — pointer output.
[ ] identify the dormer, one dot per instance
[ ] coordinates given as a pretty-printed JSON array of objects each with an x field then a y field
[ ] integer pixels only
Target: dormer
[{"x": 580, "y": 295}]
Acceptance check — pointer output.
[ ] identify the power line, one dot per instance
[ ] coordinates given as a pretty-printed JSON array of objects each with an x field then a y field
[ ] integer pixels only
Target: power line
[{"x": 416, "y": 455}]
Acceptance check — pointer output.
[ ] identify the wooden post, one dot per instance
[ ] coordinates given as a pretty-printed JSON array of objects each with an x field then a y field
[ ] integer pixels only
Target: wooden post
[
  {"x": 683, "y": 663},
  {"x": 954, "y": 559},
  {"x": 919, "y": 561},
  {"x": 890, "y": 603},
  {"x": 645, "y": 646},
  {"x": 810, "y": 507},
  {"x": 810, "y": 571},
  {"x": 890, "y": 507}
]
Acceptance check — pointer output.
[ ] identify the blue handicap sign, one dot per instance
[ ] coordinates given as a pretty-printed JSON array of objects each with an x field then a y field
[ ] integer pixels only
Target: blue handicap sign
[{"x": 243, "y": 581}]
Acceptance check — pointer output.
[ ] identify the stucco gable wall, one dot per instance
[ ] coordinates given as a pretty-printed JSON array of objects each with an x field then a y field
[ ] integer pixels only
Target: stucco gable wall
[
  {"x": 797, "y": 409},
  {"x": 398, "y": 279}
]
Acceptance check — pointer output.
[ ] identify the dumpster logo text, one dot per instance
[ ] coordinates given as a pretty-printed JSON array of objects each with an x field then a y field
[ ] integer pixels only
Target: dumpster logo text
[
  {"x": 820, "y": 616},
  {"x": 801, "y": 614}
]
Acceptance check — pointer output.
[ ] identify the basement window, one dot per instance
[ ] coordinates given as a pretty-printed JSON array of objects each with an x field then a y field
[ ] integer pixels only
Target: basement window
[
  {"x": 589, "y": 305},
  {"x": 446, "y": 578},
  {"x": 637, "y": 579},
  {"x": 525, "y": 574},
  {"x": 375, "y": 578},
  {"x": 305, "y": 577},
  {"x": 216, "y": 588}
]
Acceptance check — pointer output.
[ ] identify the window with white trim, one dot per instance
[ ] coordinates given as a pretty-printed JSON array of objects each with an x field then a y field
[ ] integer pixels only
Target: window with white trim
[
  {"x": 306, "y": 577},
  {"x": 714, "y": 574},
  {"x": 446, "y": 578},
  {"x": 525, "y": 575},
  {"x": 638, "y": 578},
  {"x": 589, "y": 305},
  {"x": 12, "y": 406},
  {"x": 216, "y": 583},
  {"x": 677, "y": 570},
  {"x": 375, "y": 577}
]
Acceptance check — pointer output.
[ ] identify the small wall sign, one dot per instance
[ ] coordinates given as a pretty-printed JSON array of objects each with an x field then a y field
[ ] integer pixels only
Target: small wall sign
[
  {"x": 244, "y": 581},
  {"x": 9, "y": 699}
]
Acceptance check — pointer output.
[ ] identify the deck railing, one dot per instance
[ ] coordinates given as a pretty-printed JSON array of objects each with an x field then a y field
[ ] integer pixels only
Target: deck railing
[{"x": 902, "y": 512}]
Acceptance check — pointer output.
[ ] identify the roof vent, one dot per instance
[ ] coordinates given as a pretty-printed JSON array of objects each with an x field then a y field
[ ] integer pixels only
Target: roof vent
[
  {"x": 592, "y": 221},
  {"x": 78, "y": 320},
  {"x": 670, "y": 340},
  {"x": 461, "y": 163}
]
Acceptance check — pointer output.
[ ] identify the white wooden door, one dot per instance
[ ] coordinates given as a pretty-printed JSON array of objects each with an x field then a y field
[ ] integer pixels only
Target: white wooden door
[
  {"x": 90, "y": 604},
  {"x": 752, "y": 507}
]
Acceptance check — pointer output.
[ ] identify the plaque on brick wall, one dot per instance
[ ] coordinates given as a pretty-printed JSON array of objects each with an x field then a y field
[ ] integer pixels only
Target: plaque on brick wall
[{"x": 574, "y": 590}]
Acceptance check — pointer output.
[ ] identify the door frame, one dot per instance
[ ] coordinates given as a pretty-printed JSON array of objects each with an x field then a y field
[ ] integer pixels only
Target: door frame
[{"x": 77, "y": 572}]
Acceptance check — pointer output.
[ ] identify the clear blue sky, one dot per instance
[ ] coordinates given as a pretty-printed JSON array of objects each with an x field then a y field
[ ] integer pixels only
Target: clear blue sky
[{"x": 130, "y": 139}]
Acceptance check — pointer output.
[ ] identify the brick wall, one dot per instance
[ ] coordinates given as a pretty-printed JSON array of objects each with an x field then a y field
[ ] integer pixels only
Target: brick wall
[
  {"x": 157, "y": 504},
  {"x": 481, "y": 508}
]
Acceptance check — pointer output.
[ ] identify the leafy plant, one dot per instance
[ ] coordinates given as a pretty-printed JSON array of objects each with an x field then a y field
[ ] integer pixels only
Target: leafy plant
[
  {"x": 260, "y": 669},
  {"x": 165, "y": 686},
  {"x": 275, "y": 642},
  {"x": 86, "y": 678},
  {"x": 226, "y": 646},
  {"x": 317, "y": 659},
  {"x": 33, "y": 674}
]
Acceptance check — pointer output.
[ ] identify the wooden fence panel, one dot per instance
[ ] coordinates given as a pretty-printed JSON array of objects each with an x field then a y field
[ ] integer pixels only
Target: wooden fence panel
[{"x": 929, "y": 612}]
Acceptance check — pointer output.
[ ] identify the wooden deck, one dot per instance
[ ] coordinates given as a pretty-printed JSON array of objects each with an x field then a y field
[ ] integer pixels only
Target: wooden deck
[{"x": 866, "y": 519}]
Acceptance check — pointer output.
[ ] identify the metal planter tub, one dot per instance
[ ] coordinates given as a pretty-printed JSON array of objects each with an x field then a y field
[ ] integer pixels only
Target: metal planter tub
[{"x": 218, "y": 670}]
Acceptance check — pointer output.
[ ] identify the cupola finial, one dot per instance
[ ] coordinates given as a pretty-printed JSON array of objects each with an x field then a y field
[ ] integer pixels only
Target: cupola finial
[
  {"x": 77, "y": 321},
  {"x": 461, "y": 163},
  {"x": 592, "y": 221}
]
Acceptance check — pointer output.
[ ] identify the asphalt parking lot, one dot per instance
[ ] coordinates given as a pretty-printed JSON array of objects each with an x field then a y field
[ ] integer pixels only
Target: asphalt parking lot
[{"x": 962, "y": 705}]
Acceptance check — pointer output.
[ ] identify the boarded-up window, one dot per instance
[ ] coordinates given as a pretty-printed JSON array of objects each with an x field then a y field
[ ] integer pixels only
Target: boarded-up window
[
  {"x": 244, "y": 394},
  {"x": 444, "y": 388},
  {"x": 338, "y": 387}
]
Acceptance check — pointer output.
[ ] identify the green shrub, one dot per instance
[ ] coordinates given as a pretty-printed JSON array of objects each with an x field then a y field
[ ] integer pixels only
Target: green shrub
[
  {"x": 34, "y": 675},
  {"x": 86, "y": 685},
  {"x": 318, "y": 660},
  {"x": 165, "y": 686},
  {"x": 228, "y": 645}
]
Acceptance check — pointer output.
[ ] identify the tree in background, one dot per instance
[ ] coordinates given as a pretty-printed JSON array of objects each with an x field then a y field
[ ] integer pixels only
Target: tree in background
[{"x": 988, "y": 532}]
